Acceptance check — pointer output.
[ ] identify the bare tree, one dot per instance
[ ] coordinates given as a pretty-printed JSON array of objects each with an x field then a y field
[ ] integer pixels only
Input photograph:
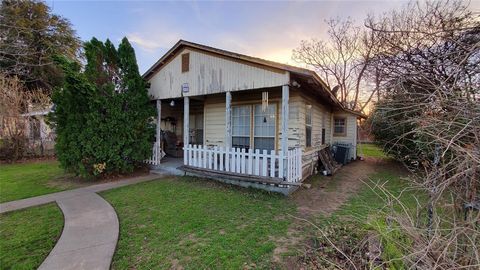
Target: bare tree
[
  {"x": 429, "y": 118},
  {"x": 343, "y": 60},
  {"x": 15, "y": 121}
]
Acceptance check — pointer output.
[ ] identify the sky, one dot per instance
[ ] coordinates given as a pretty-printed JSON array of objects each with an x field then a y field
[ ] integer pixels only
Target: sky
[{"x": 269, "y": 29}]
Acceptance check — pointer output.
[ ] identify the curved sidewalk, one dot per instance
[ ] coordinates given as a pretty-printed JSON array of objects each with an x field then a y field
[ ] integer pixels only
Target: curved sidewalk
[
  {"x": 89, "y": 235},
  {"x": 90, "y": 231}
]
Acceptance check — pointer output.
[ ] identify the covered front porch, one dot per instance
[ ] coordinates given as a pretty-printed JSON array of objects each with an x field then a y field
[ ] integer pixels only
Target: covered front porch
[{"x": 264, "y": 161}]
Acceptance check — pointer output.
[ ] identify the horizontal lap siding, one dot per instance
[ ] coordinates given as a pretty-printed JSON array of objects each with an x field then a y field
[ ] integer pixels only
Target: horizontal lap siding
[
  {"x": 321, "y": 117},
  {"x": 210, "y": 74},
  {"x": 215, "y": 120},
  {"x": 298, "y": 105},
  {"x": 215, "y": 113},
  {"x": 351, "y": 136},
  {"x": 296, "y": 130}
]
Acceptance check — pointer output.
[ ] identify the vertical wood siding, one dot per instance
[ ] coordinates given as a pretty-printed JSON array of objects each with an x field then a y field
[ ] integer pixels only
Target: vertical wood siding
[{"x": 210, "y": 74}]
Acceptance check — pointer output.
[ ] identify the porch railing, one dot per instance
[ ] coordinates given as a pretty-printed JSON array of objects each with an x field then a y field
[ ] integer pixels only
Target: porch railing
[
  {"x": 248, "y": 162},
  {"x": 156, "y": 155}
]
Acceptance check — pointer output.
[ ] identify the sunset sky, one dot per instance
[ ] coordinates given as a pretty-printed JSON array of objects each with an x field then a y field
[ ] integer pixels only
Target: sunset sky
[{"x": 269, "y": 30}]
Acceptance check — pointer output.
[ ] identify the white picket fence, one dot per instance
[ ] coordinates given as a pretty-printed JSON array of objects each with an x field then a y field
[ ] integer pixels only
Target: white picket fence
[
  {"x": 241, "y": 161},
  {"x": 156, "y": 155}
]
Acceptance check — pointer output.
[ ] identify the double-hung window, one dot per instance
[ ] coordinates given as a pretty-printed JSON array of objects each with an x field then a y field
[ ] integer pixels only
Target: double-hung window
[
  {"x": 252, "y": 126},
  {"x": 264, "y": 129},
  {"x": 339, "y": 126},
  {"x": 308, "y": 126},
  {"x": 241, "y": 126}
]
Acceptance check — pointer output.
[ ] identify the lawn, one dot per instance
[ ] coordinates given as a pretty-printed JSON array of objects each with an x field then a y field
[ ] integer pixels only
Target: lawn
[
  {"x": 186, "y": 222},
  {"x": 19, "y": 181},
  {"x": 370, "y": 150},
  {"x": 371, "y": 201},
  {"x": 196, "y": 224},
  {"x": 27, "y": 236},
  {"x": 362, "y": 213}
]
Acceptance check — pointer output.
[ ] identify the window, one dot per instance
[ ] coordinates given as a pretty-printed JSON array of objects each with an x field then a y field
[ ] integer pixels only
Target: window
[
  {"x": 252, "y": 126},
  {"x": 323, "y": 136},
  {"x": 264, "y": 129},
  {"x": 339, "y": 126},
  {"x": 241, "y": 126},
  {"x": 185, "y": 62},
  {"x": 308, "y": 126}
]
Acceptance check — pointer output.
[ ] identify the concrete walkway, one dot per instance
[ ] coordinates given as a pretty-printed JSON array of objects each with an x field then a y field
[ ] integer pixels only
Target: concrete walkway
[
  {"x": 90, "y": 231},
  {"x": 39, "y": 200}
]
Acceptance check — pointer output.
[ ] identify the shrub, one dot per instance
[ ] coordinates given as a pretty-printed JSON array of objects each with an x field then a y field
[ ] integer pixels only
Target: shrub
[{"x": 102, "y": 114}]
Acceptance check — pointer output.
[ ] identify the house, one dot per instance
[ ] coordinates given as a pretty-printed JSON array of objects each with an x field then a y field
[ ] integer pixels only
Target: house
[
  {"x": 41, "y": 137},
  {"x": 242, "y": 119},
  {"x": 32, "y": 135}
]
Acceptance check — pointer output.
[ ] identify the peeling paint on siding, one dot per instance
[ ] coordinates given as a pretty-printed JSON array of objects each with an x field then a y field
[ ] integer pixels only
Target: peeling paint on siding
[{"x": 210, "y": 74}]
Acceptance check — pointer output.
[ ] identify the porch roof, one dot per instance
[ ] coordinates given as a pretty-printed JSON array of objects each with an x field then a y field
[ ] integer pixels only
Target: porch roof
[{"x": 314, "y": 81}]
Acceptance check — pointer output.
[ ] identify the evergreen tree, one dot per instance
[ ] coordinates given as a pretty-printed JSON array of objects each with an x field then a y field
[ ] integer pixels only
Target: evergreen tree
[
  {"x": 103, "y": 114},
  {"x": 30, "y": 35}
]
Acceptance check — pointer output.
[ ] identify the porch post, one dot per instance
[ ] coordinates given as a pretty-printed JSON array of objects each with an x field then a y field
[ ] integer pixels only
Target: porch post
[
  {"x": 228, "y": 120},
  {"x": 186, "y": 127},
  {"x": 285, "y": 116},
  {"x": 159, "y": 121}
]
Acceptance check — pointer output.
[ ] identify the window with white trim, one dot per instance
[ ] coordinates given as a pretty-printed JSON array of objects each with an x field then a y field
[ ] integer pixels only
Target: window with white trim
[
  {"x": 308, "y": 126},
  {"x": 251, "y": 126},
  {"x": 264, "y": 128},
  {"x": 241, "y": 126},
  {"x": 339, "y": 126}
]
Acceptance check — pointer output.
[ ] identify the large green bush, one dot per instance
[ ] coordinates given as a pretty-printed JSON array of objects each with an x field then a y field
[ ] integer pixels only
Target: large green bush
[{"x": 102, "y": 113}]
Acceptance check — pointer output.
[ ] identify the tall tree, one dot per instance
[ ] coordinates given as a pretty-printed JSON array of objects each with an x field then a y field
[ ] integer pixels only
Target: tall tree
[
  {"x": 343, "y": 60},
  {"x": 103, "y": 114},
  {"x": 30, "y": 36}
]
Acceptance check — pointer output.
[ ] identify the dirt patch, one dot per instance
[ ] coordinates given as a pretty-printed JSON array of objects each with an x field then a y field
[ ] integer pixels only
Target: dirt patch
[
  {"x": 189, "y": 239},
  {"x": 283, "y": 244},
  {"x": 325, "y": 195},
  {"x": 176, "y": 265},
  {"x": 328, "y": 193}
]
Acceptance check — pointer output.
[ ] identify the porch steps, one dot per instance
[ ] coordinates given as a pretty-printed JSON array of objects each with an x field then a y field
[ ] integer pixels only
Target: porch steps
[
  {"x": 166, "y": 170},
  {"x": 237, "y": 177}
]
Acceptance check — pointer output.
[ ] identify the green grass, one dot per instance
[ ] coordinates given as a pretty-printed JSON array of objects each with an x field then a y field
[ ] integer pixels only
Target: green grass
[
  {"x": 372, "y": 201},
  {"x": 19, "y": 181},
  {"x": 366, "y": 211},
  {"x": 27, "y": 236},
  {"x": 371, "y": 150},
  {"x": 196, "y": 225}
]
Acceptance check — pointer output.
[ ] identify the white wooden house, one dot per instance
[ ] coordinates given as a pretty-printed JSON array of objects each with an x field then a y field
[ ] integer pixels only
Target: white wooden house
[{"x": 242, "y": 119}]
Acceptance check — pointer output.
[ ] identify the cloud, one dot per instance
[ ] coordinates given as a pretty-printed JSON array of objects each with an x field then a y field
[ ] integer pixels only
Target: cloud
[
  {"x": 146, "y": 44},
  {"x": 152, "y": 32}
]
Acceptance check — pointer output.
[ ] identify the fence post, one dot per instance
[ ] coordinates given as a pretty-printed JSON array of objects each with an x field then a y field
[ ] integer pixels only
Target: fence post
[
  {"x": 243, "y": 161},
  {"x": 221, "y": 156},
  {"x": 250, "y": 161},
  {"x": 272, "y": 163}
]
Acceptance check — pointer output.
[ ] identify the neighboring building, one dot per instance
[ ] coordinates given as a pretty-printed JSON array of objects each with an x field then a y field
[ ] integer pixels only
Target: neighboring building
[
  {"x": 41, "y": 138},
  {"x": 249, "y": 121}
]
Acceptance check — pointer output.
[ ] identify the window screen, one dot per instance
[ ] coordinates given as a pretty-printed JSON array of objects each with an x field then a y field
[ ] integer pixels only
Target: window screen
[
  {"x": 264, "y": 127},
  {"x": 339, "y": 126},
  {"x": 241, "y": 126},
  {"x": 308, "y": 126}
]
